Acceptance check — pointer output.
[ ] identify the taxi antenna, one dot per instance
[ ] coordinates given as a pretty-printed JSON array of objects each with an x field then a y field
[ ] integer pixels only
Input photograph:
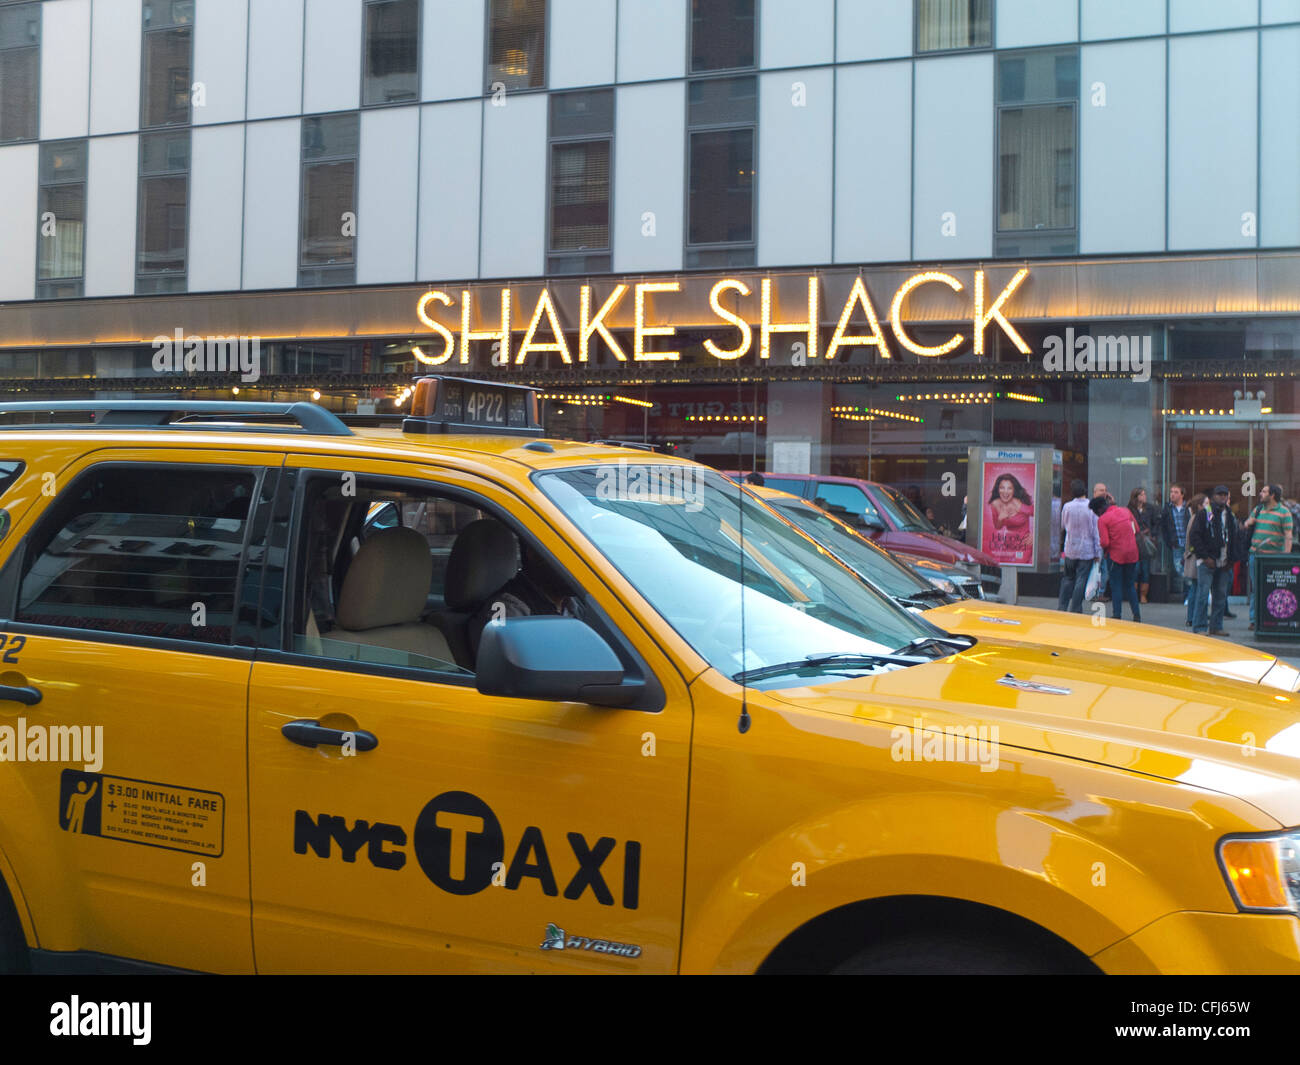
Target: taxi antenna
[{"x": 745, "y": 721}]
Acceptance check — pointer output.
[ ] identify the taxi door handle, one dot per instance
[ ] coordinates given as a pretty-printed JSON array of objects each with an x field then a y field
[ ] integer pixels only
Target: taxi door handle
[
  {"x": 26, "y": 696},
  {"x": 308, "y": 733}
]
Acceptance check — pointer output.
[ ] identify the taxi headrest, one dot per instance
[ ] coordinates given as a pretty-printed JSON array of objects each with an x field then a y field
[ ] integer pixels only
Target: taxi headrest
[
  {"x": 484, "y": 557},
  {"x": 388, "y": 581}
]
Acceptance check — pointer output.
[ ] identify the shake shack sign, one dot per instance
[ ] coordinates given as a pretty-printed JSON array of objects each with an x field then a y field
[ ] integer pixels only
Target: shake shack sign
[{"x": 744, "y": 317}]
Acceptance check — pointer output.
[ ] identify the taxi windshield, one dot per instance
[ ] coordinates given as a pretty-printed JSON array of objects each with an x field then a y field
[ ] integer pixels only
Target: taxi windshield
[
  {"x": 902, "y": 511},
  {"x": 675, "y": 533}
]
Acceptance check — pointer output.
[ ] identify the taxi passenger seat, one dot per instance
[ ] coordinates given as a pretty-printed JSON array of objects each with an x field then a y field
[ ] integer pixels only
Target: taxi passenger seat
[
  {"x": 484, "y": 558},
  {"x": 385, "y": 593}
]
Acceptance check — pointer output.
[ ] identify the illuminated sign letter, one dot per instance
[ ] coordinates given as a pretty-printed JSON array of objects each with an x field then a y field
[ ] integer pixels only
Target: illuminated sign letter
[
  {"x": 448, "y": 341},
  {"x": 502, "y": 334},
  {"x": 561, "y": 345},
  {"x": 994, "y": 313},
  {"x": 840, "y": 339},
  {"x": 642, "y": 331},
  {"x": 746, "y": 333},
  {"x": 588, "y": 325},
  {"x": 766, "y": 328},
  {"x": 896, "y": 313}
]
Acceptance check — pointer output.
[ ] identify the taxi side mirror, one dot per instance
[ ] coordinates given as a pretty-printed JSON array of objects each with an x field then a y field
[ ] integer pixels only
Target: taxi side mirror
[{"x": 558, "y": 659}]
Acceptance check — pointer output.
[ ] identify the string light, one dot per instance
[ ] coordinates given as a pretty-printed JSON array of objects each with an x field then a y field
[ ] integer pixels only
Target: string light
[
  {"x": 726, "y": 418},
  {"x": 879, "y": 412}
]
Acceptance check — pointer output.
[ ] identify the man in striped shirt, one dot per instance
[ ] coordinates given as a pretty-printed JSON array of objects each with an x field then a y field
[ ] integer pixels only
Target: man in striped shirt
[{"x": 1271, "y": 527}]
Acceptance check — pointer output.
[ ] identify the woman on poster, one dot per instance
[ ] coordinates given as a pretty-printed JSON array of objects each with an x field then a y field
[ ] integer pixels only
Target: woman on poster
[{"x": 1010, "y": 518}]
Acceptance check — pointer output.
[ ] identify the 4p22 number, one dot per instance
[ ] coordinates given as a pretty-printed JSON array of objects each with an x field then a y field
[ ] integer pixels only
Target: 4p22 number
[{"x": 9, "y": 650}]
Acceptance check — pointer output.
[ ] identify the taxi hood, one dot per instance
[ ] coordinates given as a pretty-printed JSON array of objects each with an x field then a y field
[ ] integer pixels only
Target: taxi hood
[
  {"x": 1177, "y": 651},
  {"x": 1190, "y": 728}
]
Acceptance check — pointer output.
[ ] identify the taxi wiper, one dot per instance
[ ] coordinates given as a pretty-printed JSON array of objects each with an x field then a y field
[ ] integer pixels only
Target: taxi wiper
[
  {"x": 957, "y": 643},
  {"x": 926, "y": 594},
  {"x": 822, "y": 659}
]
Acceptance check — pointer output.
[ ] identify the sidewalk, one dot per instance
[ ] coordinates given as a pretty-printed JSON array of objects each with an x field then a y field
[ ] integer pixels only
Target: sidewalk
[{"x": 1174, "y": 616}]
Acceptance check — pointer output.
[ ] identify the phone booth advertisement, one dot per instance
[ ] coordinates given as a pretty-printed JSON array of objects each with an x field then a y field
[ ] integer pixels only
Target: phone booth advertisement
[{"x": 1008, "y": 528}]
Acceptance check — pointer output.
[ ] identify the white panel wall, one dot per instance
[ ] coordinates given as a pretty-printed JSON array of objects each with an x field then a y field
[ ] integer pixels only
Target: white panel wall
[
  {"x": 220, "y": 54},
  {"x": 649, "y": 176},
  {"x": 1021, "y": 23},
  {"x": 1122, "y": 148},
  {"x": 449, "y": 190},
  {"x": 879, "y": 30},
  {"x": 271, "y": 179},
  {"x": 115, "y": 66},
  {"x": 514, "y": 188},
  {"x": 580, "y": 42},
  {"x": 332, "y": 78},
  {"x": 18, "y": 222},
  {"x": 216, "y": 207},
  {"x": 651, "y": 39},
  {"x": 954, "y": 157},
  {"x": 1189, "y": 15},
  {"x": 1211, "y": 140},
  {"x": 792, "y": 32},
  {"x": 275, "y": 58},
  {"x": 1279, "y": 11},
  {"x": 111, "y": 196},
  {"x": 794, "y": 166},
  {"x": 1122, "y": 18},
  {"x": 387, "y": 186},
  {"x": 873, "y": 154},
  {"x": 1279, "y": 210},
  {"x": 452, "y": 64},
  {"x": 65, "y": 69}
]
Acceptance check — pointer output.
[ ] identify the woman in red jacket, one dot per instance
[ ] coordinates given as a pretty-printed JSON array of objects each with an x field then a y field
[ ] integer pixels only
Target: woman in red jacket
[{"x": 1117, "y": 532}]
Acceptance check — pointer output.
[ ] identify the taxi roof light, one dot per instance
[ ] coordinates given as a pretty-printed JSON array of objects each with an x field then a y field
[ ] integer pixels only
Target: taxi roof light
[{"x": 446, "y": 404}]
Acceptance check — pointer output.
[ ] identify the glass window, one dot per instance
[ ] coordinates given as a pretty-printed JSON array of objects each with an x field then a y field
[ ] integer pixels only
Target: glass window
[
  {"x": 845, "y": 497},
  {"x": 140, "y": 550},
  {"x": 165, "y": 76},
  {"x": 61, "y": 219},
  {"x": 329, "y": 175},
  {"x": 722, "y": 187},
  {"x": 722, "y": 34},
  {"x": 517, "y": 44},
  {"x": 392, "y": 51},
  {"x": 942, "y": 25},
  {"x": 675, "y": 534},
  {"x": 1036, "y": 168},
  {"x": 580, "y": 181},
  {"x": 20, "y": 57},
  {"x": 163, "y": 213}
]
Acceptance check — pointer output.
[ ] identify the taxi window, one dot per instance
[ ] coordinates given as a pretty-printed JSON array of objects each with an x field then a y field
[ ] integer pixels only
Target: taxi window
[
  {"x": 144, "y": 550},
  {"x": 394, "y": 574},
  {"x": 854, "y": 500},
  {"x": 10, "y": 469}
]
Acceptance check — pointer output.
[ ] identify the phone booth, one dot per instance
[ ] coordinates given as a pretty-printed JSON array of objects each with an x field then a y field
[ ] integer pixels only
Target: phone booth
[{"x": 1013, "y": 513}]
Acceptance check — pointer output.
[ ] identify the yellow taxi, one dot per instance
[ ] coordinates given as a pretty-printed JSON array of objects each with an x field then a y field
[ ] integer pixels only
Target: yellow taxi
[
  {"x": 282, "y": 695},
  {"x": 1150, "y": 644}
]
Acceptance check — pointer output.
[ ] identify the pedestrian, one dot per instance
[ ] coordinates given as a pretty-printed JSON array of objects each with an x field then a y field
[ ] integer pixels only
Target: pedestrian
[
  {"x": 1117, "y": 533},
  {"x": 1141, "y": 512},
  {"x": 1199, "y": 502},
  {"x": 1270, "y": 527},
  {"x": 1099, "y": 492},
  {"x": 1173, "y": 530},
  {"x": 1211, "y": 536},
  {"x": 1081, "y": 549}
]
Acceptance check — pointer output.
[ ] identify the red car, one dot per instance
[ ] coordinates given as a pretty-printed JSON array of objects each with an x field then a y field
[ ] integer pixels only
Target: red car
[{"x": 884, "y": 513}]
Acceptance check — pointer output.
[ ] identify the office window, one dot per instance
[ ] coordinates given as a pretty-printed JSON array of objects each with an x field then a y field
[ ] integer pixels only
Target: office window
[
  {"x": 944, "y": 25},
  {"x": 517, "y": 44},
  {"x": 721, "y": 118},
  {"x": 582, "y": 126},
  {"x": 166, "y": 62},
  {"x": 392, "y": 51},
  {"x": 1037, "y": 153},
  {"x": 61, "y": 220},
  {"x": 163, "y": 212},
  {"x": 20, "y": 62},
  {"x": 722, "y": 34},
  {"x": 327, "y": 252}
]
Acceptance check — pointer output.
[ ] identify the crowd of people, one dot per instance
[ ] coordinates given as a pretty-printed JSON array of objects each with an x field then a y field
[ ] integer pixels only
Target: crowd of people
[{"x": 1109, "y": 549}]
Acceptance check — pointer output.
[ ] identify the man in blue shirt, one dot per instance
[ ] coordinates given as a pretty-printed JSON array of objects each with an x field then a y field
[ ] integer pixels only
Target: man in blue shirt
[
  {"x": 1173, "y": 524},
  {"x": 1082, "y": 548}
]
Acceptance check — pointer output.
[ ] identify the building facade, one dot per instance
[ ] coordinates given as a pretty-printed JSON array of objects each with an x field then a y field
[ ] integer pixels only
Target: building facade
[{"x": 855, "y": 237}]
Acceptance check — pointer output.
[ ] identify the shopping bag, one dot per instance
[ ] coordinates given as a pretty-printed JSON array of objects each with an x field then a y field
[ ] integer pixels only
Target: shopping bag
[{"x": 1093, "y": 588}]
